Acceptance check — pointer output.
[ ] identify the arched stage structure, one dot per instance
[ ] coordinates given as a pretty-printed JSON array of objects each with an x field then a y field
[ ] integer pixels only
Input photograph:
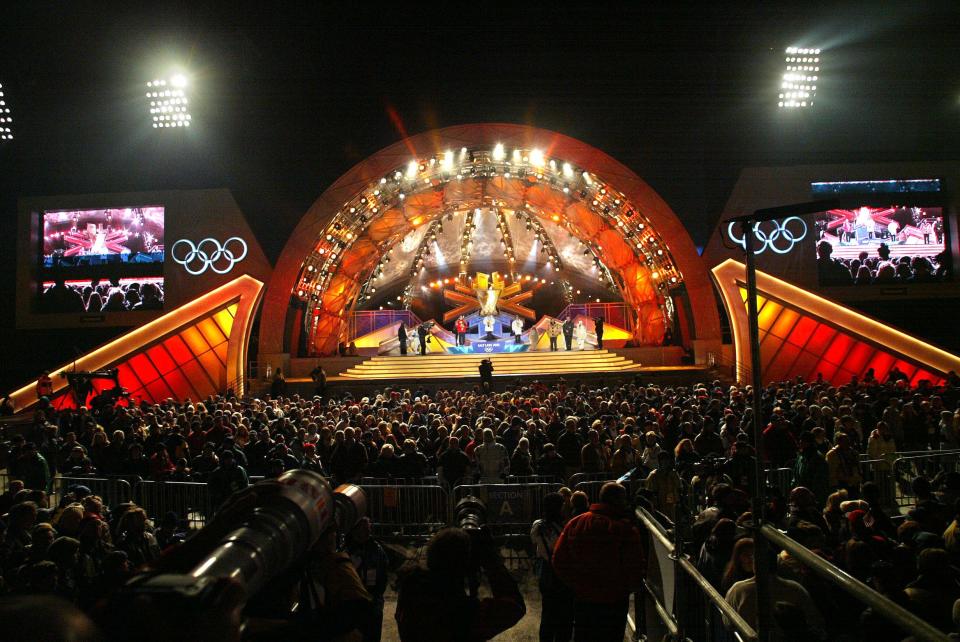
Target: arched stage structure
[{"x": 528, "y": 179}]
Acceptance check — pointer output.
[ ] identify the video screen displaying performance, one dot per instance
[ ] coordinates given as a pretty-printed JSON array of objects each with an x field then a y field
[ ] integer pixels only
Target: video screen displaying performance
[
  {"x": 99, "y": 296},
  {"x": 881, "y": 246},
  {"x": 95, "y": 237}
]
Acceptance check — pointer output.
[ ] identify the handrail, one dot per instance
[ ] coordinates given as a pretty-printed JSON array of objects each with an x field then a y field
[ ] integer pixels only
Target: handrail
[
  {"x": 726, "y": 609},
  {"x": 883, "y": 605}
]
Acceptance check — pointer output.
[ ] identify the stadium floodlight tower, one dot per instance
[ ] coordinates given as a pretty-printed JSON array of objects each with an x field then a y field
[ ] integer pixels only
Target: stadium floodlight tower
[
  {"x": 6, "y": 132},
  {"x": 798, "y": 86},
  {"x": 169, "y": 103}
]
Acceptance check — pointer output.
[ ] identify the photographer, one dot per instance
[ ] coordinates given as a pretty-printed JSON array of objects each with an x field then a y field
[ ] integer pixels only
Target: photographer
[{"x": 432, "y": 605}]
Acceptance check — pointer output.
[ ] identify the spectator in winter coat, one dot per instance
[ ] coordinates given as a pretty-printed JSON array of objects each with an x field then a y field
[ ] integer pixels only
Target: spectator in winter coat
[
  {"x": 493, "y": 461},
  {"x": 599, "y": 555}
]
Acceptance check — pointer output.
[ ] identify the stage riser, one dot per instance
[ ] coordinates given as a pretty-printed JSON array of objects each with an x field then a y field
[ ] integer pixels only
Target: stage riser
[{"x": 449, "y": 366}]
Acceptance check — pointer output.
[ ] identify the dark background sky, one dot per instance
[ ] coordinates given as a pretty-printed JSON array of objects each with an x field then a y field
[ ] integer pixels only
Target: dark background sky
[{"x": 287, "y": 101}]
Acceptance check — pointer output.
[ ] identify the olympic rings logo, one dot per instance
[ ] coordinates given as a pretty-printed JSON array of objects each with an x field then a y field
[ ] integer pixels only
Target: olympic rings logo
[
  {"x": 781, "y": 239},
  {"x": 210, "y": 254}
]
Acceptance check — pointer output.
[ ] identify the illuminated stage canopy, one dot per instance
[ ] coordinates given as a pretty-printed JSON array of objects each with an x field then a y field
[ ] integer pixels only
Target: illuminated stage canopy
[{"x": 529, "y": 179}]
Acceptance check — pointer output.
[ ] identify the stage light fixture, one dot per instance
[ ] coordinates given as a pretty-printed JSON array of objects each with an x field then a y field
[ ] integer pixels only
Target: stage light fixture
[
  {"x": 536, "y": 158},
  {"x": 6, "y": 120},
  {"x": 447, "y": 163},
  {"x": 498, "y": 152},
  {"x": 798, "y": 86},
  {"x": 169, "y": 102}
]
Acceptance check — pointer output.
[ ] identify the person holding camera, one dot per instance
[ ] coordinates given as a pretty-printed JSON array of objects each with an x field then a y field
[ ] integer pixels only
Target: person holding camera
[
  {"x": 600, "y": 556},
  {"x": 432, "y": 605}
]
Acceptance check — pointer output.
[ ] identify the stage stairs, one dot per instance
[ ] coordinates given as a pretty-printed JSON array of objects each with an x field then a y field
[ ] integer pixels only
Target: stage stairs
[{"x": 447, "y": 366}]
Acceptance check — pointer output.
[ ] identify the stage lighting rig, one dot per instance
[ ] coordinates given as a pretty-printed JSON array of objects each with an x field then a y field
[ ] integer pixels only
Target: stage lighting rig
[
  {"x": 6, "y": 120},
  {"x": 798, "y": 87},
  {"x": 169, "y": 102}
]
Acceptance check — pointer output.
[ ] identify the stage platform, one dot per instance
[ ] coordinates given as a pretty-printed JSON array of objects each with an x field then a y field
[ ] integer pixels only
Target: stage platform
[{"x": 459, "y": 371}]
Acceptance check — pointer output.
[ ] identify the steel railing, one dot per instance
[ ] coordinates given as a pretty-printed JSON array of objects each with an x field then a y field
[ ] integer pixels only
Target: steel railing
[{"x": 893, "y": 612}]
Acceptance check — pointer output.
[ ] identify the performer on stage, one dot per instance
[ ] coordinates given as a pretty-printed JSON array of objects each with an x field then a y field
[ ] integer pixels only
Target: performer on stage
[
  {"x": 486, "y": 375},
  {"x": 581, "y": 333},
  {"x": 402, "y": 336},
  {"x": 598, "y": 328},
  {"x": 553, "y": 333},
  {"x": 568, "y": 333},
  {"x": 489, "y": 323},
  {"x": 422, "y": 335},
  {"x": 461, "y": 329},
  {"x": 517, "y": 327}
]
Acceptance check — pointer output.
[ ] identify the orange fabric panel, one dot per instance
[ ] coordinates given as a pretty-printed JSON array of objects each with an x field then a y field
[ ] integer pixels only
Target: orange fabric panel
[
  {"x": 587, "y": 223},
  {"x": 504, "y": 189},
  {"x": 198, "y": 345},
  {"x": 616, "y": 253},
  {"x": 651, "y": 319},
  {"x": 359, "y": 259},
  {"x": 390, "y": 223},
  {"x": 211, "y": 332},
  {"x": 422, "y": 206},
  {"x": 547, "y": 199},
  {"x": 198, "y": 377}
]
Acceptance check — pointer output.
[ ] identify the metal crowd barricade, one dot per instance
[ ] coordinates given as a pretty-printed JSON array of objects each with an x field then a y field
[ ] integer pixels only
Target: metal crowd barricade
[
  {"x": 4, "y": 481},
  {"x": 928, "y": 464},
  {"x": 112, "y": 490},
  {"x": 511, "y": 508},
  {"x": 579, "y": 478},
  {"x": 426, "y": 480},
  {"x": 405, "y": 511},
  {"x": 780, "y": 478},
  {"x": 189, "y": 500},
  {"x": 880, "y": 472}
]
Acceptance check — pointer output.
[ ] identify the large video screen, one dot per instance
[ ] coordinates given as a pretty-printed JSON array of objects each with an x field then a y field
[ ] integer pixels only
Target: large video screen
[
  {"x": 81, "y": 238},
  {"x": 97, "y": 296},
  {"x": 894, "y": 245},
  {"x": 101, "y": 261}
]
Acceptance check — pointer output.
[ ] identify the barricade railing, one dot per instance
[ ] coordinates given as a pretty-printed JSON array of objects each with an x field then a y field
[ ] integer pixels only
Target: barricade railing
[
  {"x": 427, "y": 480},
  {"x": 780, "y": 478},
  {"x": 189, "y": 500},
  {"x": 405, "y": 511},
  {"x": 880, "y": 472},
  {"x": 511, "y": 508},
  {"x": 895, "y": 613},
  {"x": 928, "y": 464},
  {"x": 578, "y": 478},
  {"x": 113, "y": 490}
]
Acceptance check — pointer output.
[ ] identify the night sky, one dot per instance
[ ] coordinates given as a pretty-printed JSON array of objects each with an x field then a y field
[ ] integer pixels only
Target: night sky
[{"x": 285, "y": 102}]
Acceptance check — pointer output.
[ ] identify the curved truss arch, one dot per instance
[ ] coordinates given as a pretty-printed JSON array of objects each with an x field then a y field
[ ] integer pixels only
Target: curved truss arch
[{"x": 348, "y": 233}]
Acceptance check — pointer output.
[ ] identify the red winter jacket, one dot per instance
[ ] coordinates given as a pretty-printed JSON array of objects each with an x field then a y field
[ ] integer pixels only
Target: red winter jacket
[{"x": 600, "y": 556}]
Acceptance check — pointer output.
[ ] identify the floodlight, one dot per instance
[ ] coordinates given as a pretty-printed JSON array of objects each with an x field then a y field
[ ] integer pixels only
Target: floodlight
[
  {"x": 447, "y": 163},
  {"x": 6, "y": 132},
  {"x": 536, "y": 158},
  {"x": 168, "y": 102},
  {"x": 498, "y": 152},
  {"x": 799, "y": 84}
]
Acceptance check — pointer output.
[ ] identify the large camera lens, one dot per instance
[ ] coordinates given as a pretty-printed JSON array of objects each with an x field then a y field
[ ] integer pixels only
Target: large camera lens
[{"x": 470, "y": 513}]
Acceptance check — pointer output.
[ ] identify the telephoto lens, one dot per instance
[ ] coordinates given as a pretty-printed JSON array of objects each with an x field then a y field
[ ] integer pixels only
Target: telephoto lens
[{"x": 470, "y": 513}]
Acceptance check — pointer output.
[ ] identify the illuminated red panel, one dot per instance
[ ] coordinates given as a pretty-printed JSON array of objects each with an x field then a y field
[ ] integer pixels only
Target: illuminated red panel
[
  {"x": 158, "y": 390},
  {"x": 178, "y": 349},
  {"x": 180, "y": 385},
  {"x": 221, "y": 352},
  {"x": 856, "y": 362},
  {"x": 199, "y": 378},
  {"x": 820, "y": 339},
  {"x": 781, "y": 366},
  {"x": 127, "y": 378},
  {"x": 143, "y": 368},
  {"x": 211, "y": 332},
  {"x": 161, "y": 359},
  {"x": 224, "y": 319},
  {"x": 802, "y": 331},
  {"x": 881, "y": 364},
  {"x": 785, "y": 323},
  {"x": 195, "y": 341},
  {"x": 212, "y": 364}
]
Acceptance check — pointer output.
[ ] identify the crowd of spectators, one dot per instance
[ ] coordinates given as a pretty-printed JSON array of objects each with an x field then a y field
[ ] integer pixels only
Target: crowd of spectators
[
  {"x": 102, "y": 296},
  {"x": 676, "y": 437},
  {"x": 880, "y": 269}
]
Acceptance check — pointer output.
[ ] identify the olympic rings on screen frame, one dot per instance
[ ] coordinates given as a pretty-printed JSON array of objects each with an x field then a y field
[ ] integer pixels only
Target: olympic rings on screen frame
[
  {"x": 776, "y": 239},
  {"x": 210, "y": 254}
]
